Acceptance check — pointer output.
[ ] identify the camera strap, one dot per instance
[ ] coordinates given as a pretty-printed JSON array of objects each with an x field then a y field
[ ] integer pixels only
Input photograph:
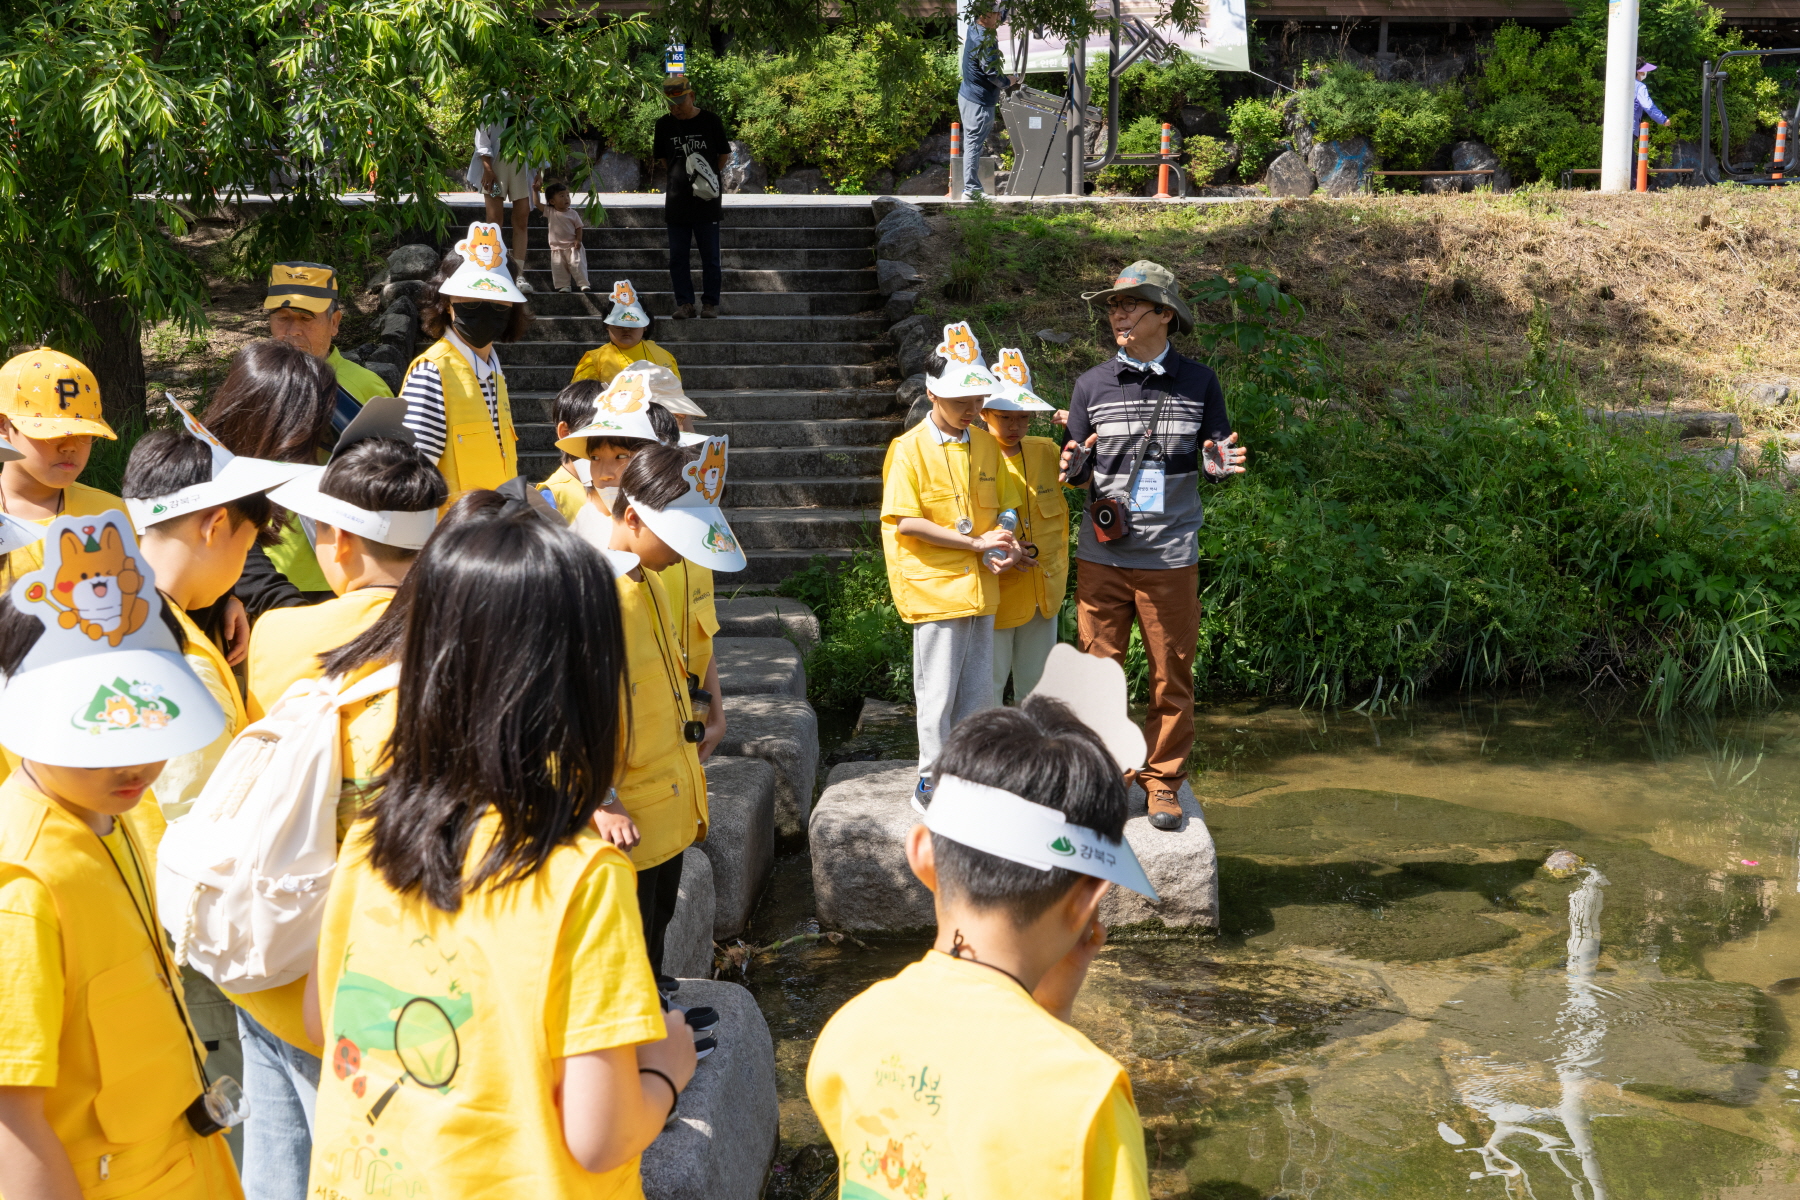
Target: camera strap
[{"x": 1137, "y": 460}]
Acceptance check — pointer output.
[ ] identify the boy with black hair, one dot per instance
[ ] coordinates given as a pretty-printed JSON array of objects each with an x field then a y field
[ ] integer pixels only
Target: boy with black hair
[
  {"x": 566, "y": 487},
  {"x": 370, "y": 509},
  {"x": 943, "y": 497},
  {"x": 1023, "y": 837}
]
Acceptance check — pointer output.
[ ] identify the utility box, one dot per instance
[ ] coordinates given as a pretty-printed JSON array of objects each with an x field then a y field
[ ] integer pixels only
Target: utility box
[{"x": 1038, "y": 123}]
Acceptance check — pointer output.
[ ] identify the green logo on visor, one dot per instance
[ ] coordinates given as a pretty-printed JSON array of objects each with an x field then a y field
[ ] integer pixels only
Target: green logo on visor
[{"x": 1063, "y": 845}]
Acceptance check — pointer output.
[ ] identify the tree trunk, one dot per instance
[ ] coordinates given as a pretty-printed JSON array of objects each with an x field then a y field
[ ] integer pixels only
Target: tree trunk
[{"x": 117, "y": 360}]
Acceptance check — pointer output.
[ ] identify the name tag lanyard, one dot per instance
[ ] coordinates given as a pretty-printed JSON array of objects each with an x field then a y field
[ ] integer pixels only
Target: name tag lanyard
[
  {"x": 964, "y": 524},
  {"x": 1144, "y": 487},
  {"x": 691, "y": 730}
]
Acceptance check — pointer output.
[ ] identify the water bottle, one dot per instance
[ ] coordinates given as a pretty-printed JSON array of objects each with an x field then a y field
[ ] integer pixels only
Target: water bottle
[{"x": 1009, "y": 521}]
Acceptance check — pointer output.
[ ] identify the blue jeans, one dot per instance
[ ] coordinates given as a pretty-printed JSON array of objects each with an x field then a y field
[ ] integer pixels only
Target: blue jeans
[
  {"x": 977, "y": 123},
  {"x": 281, "y": 1082},
  {"x": 712, "y": 275}
]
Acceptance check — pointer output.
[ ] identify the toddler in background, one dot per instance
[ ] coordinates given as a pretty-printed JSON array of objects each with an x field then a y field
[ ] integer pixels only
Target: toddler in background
[{"x": 568, "y": 257}]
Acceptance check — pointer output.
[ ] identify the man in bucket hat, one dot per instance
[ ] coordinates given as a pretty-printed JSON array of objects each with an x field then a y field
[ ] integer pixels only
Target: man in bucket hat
[{"x": 1143, "y": 425}]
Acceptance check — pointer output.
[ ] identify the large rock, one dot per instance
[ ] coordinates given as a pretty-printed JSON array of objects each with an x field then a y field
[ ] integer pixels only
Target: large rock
[
  {"x": 1680, "y": 424},
  {"x": 769, "y": 616},
  {"x": 891, "y": 276},
  {"x": 803, "y": 181},
  {"x": 388, "y": 373},
  {"x": 397, "y": 329},
  {"x": 912, "y": 395},
  {"x": 932, "y": 181},
  {"x": 619, "y": 172},
  {"x": 783, "y": 732},
  {"x": 881, "y": 206},
  {"x": 1195, "y": 121},
  {"x": 726, "y": 1122},
  {"x": 760, "y": 666},
  {"x": 900, "y": 234},
  {"x": 412, "y": 289},
  {"x": 1342, "y": 167},
  {"x": 740, "y": 837},
  {"x": 861, "y": 880},
  {"x": 1288, "y": 175},
  {"x": 688, "y": 942},
  {"x": 1297, "y": 127},
  {"x": 900, "y": 305},
  {"x": 933, "y": 150},
  {"x": 916, "y": 341},
  {"x": 743, "y": 173},
  {"x": 398, "y": 357},
  {"x": 416, "y": 261},
  {"x": 1476, "y": 156},
  {"x": 858, "y": 838}
]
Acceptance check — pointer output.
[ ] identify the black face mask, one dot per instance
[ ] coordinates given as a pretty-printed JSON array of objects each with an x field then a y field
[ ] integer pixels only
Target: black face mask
[{"x": 479, "y": 322}]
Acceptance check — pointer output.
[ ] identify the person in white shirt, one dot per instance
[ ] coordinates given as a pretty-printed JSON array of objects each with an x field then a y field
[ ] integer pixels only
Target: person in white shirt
[{"x": 500, "y": 181}]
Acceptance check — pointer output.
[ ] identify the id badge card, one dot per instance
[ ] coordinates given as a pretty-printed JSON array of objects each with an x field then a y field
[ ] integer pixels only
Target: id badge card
[{"x": 1147, "y": 496}]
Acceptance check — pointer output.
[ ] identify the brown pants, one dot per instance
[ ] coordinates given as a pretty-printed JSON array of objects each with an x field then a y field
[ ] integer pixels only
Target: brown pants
[{"x": 1166, "y": 605}]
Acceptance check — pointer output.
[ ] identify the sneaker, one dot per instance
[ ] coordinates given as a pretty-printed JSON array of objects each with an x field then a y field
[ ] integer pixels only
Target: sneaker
[
  {"x": 704, "y": 1046},
  {"x": 1165, "y": 809},
  {"x": 683, "y": 312},
  {"x": 563, "y": 291},
  {"x": 585, "y": 289},
  {"x": 523, "y": 284},
  {"x": 700, "y": 1018},
  {"x": 668, "y": 985},
  {"x": 709, "y": 310}
]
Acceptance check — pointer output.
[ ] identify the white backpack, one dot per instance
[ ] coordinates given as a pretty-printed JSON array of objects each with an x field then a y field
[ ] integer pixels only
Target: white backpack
[{"x": 241, "y": 877}]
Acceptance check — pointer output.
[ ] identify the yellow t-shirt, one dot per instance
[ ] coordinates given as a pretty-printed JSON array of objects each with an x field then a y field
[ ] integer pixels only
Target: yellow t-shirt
[
  {"x": 943, "y": 482},
  {"x": 1043, "y": 522},
  {"x": 79, "y": 500},
  {"x": 284, "y": 646},
  {"x": 924, "y": 1099},
  {"x": 605, "y": 361},
  {"x": 482, "y": 1003},
  {"x": 696, "y": 613},
  {"x": 565, "y": 491},
  {"x": 661, "y": 785},
  {"x": 182, "y": 778},
  {"x": 87, "y": 1008}
]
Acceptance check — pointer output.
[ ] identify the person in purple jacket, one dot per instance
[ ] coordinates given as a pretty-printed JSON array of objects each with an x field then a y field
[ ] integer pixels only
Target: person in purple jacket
[{"x": 1641, "y": 103}]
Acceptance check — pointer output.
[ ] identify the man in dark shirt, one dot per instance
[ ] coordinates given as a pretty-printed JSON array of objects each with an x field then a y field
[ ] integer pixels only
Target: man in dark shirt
[
  {"x": 1152, "y": 575},
  {"x": 691, "y": 217}
]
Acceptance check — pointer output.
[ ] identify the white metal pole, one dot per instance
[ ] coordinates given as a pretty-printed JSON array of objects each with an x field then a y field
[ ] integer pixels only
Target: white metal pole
[{"x": 1618, "y": 134}]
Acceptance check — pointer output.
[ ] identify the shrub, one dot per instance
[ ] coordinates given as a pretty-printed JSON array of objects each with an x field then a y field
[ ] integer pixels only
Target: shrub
[
  {"x": 864, "y": 648},
  {"x": 1142, "y": 136},
  {"x": 1208, "y": 159},
  {"x": 1256, "y": 128},
  {"x": 1155, "y": 89},
  {"x": 1404, "y": 122}
]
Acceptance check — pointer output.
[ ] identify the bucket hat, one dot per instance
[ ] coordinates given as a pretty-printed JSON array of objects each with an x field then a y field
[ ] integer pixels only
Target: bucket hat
[{"x": 1148, "y": 281}]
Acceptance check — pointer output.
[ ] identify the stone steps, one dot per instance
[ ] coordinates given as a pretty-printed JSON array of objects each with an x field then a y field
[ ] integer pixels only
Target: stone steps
[
  {"x": 837, "y": 432},
  {"x": 731, "y": 237},
  {"x": 606, "y": 263},
  {"x": 732, "y": 303},
  {"x": 696, "y": 355},
  {"x": 589, "y": 329},
  {"x": 810, "y": 529},
  {"x": 553, "y": 379},
  {"x": 738, "y": 279}
]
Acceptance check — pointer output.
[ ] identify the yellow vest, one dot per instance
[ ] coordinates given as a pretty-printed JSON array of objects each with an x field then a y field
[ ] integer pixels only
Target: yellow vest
[
  {"x": 356, "y": 379},
  {"x": 284, "y": 648},
  {"x": 921, "y": 478},
  {"x": 493, "y": 977},
  {"x": 473, "y": 456},
  {"x": 124, "y": 1070},
  {"x": 1044, "y": 522},
  {"x": 608, "y": 360},
  {"x": 696, "y": 614},
  {"x": 661, "y": 787},
  {"x": 922, "y": 1097}
]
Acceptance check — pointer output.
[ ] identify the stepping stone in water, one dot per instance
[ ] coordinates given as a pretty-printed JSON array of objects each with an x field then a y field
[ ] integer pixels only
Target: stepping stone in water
[
  {"x": 687, "y": 945},
  {"x": 861, "y": 880},
  {"x": 761, "y": 666},
  {"x": 740, "y": 838},
  {"x": 723, "y": 1138},
  {"x": 784, "y": 732},
  {"x": 767, "y": 617}
]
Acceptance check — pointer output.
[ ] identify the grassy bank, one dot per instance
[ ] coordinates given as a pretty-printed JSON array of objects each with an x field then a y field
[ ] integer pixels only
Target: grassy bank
[{"x": 1434, "y": 506}]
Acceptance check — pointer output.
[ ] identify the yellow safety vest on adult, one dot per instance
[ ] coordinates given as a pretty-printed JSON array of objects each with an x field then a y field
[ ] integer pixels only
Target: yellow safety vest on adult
[
  {"x": 441, "y": 1046},
  {"x": 943, "y": 481},
  {"x": 919, "y": 1106},
  {"x": 476, "y": 454}
]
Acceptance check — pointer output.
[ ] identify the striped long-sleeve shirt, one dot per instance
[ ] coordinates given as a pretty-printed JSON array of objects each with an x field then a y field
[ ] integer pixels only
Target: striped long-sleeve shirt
[{"x": 423, "y": 391}]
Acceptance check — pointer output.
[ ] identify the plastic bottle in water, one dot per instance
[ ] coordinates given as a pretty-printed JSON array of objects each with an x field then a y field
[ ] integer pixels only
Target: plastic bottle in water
[{"x": 1009, "y": 521}]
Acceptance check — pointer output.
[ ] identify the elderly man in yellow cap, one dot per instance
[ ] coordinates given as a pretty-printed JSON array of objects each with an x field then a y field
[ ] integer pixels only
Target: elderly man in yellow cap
[
  {"x": 304, "y": 311},
  {"x": 49, "y": 418}
]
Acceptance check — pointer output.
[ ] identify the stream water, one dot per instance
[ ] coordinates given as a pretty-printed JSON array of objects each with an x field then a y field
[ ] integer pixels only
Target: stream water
[{"x": 1403, "y": 1000}]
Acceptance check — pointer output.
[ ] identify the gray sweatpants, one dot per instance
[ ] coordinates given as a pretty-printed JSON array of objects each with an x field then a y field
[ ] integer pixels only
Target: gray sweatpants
[
  {"x": 1021, "y": 653},
  {"x": 953, "y": 676}
]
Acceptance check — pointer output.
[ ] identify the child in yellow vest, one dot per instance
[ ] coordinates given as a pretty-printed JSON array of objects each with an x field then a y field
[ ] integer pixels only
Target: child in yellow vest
[
  {"x": 1031, "y": 594},
  {"x": 103, "y": 1087},
  {"x": 961, "y": 1076},
  {"x": 567, "y": 486},
  {"x": 371, "y": 508},
  {"x": 492, "y": 1021},
  {"x": 628, "y": 341},
  {"x": 943, "y": 496},
  {"x": 457, "y": 406},
  {"x": 667, "y": 510},
  {"x": 49, "y": 416}
]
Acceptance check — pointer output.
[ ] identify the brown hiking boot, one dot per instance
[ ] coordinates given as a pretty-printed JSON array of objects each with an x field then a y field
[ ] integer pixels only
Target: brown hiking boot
[
  {"x": 1165, "y": 809},
  {"x": 709, "y": 310},
  {"x": 683, "y": 312}
]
